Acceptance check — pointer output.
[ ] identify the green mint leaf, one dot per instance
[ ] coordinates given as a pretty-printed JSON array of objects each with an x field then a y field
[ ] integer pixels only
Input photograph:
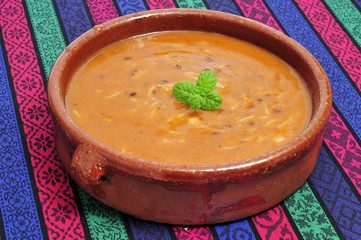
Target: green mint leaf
[
  {"x": 201, "y": 95},
  {"x": 197, "y": 98},
  {"x": 183, "y": 91},
  {"x": 207, "y": 80},
  {"x": 213, "y": 101}
]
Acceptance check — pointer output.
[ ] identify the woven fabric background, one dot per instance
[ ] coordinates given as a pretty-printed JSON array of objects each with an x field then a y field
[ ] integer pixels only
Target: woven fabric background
[{"x": 38, "y": 200}]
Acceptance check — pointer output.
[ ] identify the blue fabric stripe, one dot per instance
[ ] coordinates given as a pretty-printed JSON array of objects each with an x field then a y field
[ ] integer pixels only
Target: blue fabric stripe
[
  {"x": 74, "y": 18},
  {"x": 337, "y": 195},
  {"x": 298, "y": 29},
  {"x": 127, "y": 7},
  {"x": 235, "y": 230},
  {"x": 227, "y": 6},
  {"x": 142, "y": 229},
  {"x": 358, "y": 3},
  {"x": 17, "y": 201}
]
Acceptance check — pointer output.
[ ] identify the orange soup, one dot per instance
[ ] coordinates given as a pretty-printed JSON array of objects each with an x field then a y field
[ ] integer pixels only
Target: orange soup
[{"x": 122, "y": 96}]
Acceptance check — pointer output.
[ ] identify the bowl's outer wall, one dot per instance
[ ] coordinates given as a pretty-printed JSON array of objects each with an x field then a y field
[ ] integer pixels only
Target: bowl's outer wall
[{"x": 189, "y": 194}]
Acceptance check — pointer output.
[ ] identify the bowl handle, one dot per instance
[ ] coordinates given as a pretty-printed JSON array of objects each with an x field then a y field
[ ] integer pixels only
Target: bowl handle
[{"x": 88, "y": 166}]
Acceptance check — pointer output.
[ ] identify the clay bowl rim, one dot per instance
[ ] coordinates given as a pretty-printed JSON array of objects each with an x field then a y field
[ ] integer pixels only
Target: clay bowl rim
[{"x": 242, "y": 169}]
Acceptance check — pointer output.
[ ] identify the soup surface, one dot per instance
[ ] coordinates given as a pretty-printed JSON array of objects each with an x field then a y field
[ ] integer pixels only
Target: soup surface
[{"x": 122, "y": 96}]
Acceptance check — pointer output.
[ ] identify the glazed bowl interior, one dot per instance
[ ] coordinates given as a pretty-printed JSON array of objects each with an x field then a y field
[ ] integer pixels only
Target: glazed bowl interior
[{"x": 194, "y": 20}]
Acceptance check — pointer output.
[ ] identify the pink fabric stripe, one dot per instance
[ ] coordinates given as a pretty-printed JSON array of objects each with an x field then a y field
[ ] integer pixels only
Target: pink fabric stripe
[
  {"x": 160, "y": 4},
  {"x": 272, "y": 223},
  {"x": 256, "y": 10},
  {"x": 102, "y": 10},
  {"x": 201, "y": 233},
  {"x": 345, "y": 148},
  {"x": 336, "y": 39},
  {"x": 55, "y": 194}
]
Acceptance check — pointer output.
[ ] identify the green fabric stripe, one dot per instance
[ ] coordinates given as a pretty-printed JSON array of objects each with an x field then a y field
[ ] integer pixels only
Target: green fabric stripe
[
  {"x": 349, "y": 16},
  {"x": 191, "y": 4},
  {"x": 309, "y": 216},
  {"x": 104, "y": 222},
  {"x": 47, "y": 31}
]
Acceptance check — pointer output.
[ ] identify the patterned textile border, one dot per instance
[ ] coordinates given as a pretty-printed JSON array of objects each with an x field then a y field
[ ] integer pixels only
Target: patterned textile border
[
  {"x": 96, "y": 214},
  {"x": 336, "y": 194},
  {"x": 345, "y": 148},
  {"x": 127, "y": 7},
  {"x": 313, "y": 222},
  {"x": 191, "y": 4},
  {"x": 256, "y": 10},
  {"x": 149, "y": 230},
  {"x": 294, "y": 23},
  {"x": 299, "y": 30},
  {"x": 103, "y": 222},
  {"x": 74, "y": 18},
  {"x": 227, "y": 6},
  {"x": 349, "y": 56},
  {"x": 273, "y": 221},
  {"x": 102, "y": 10},
  {"x": 348, "y": 15},
  {"x": 336, "y": 39},
  {"x": 48, "y": 35},
  {"x": 236, "y": 230},
  {"x": 154, "y": 4},
  {"x": 57, "y": 202},
  {"x": 333, "y": 111},
  {"x": 17, "y": 203}
]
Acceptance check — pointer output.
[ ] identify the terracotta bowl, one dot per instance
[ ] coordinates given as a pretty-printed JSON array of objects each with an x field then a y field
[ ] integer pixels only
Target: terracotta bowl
[{"x": 177, "y": 194}]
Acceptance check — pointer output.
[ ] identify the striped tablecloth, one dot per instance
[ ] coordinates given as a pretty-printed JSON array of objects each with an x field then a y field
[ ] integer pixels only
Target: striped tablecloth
[{"x": 38, "y": 200}]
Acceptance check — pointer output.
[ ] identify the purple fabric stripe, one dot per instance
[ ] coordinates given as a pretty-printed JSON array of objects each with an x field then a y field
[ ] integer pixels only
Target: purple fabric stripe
[
  {"x": 148, "y": 230},
  {"x": 128, "y": 7},
  {"x": 235, "y": 230},
  {"x": 337, "y": 195},
  {"x": 227, "y": 6},
  {"x": 74, "y": 18}
]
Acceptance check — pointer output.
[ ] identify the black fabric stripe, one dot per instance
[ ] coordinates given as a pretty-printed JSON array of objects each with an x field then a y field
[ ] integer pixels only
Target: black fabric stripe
[
  {"x": 127, "y": 226},
  {"x": 291, "y": 221},
  {"x": 88, "y": 12},
  {"x": 146, "y": 4},
  {"x": 65, "y": 36},
  {"x": 171, "y": 232},
  {"x": 206, "y": 4},
  {"x": 175, "y": 3},
  {"x": 328, "y": 49},
  {"x": 81, "y": 211},
  {"x": 238, "y": 8},
  {"x": 24, "y": 144},
  {"x": 115, "y": 3},
  {"x": 254, "y": 228},
  {"x": 343, "y": 173},
  {"x": 214, "y": 233},
  {"x": 325, "y": 209},
  {"x": 356, "y": 5},
  {"x": 2, "y": 228}
]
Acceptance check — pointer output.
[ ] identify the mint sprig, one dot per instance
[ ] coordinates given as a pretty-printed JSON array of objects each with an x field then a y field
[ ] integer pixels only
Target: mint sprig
[{"x": 201, "y": 95}]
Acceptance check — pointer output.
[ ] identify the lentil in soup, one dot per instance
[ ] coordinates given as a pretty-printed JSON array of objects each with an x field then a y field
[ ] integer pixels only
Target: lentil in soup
[{"x": 122, "y": 96}]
